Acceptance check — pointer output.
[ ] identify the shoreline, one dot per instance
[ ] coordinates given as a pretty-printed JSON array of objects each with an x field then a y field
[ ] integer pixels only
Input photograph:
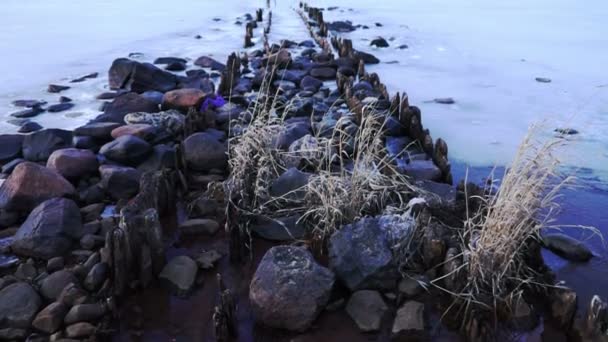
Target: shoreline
[{"x": 145, "y": 170}]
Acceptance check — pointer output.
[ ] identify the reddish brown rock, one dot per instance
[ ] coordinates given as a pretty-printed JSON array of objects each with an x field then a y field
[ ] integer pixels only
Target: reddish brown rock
[
  {"x": 31, "y": 184},
  {"x": 182, "y": 98},
  {"x": 72, "y": 162},
  {"x": 143, "y": 131}
]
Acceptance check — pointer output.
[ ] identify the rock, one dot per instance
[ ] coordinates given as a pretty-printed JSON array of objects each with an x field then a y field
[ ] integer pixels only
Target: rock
[
  {"x": 366, "y": 308},
  {"x": 140, "y": 77},
  {"x": 153, "y": 96},
  {"x": 162, "y": 157},
  {"x": 142, "y": 131},
  {"x": 92, "y": 212},
  {"x": 403, "y": 46},
  {"x": 409, "y": 322},
  {"x": 26, "y": 271},
  {"x": 90, "y": 241},
  {"x": 171, "y": 121},
  {"x": 411, "y": 286},
  {"x": 367, "y": 58},
  {"x": 72, "y": 295},
  {"x": 52, "y": 286},
  {"x": 182, "y": 99},
  {"x": 49, "y": 320},
  {"x": 85, "y": 313},
  {"x": 422, "y": 170},
  {"x": 310, "y": 83},
  {"x": 567, "y": 247},
  {"x": 10, "y": 166},
  {"x": 28, "y": 113},
  {"x": 169, "y": 60},
  {"x": 127, "y": 150},
  {"x": 55, "y": 264},
  {"x": 208, "y": 62},
  {"x": 179, "y": 275},
  {"x": 11, "y": 334},
  {"x": 280, "y": 59},
  {"x": 98, "y": 130},
  {"x": 55, "y": 88},
  {"x": 360, "y": 253},
  {"x": 49, "y": 230},
  {"x": 60, "y": 107},
  {"x": 543, "y": 80},
  {"x": 120, "y": 182},
  {"x": 28, "y": 103},
  {"x": 85, "y": 77},
  {"x": 116, "y": 110},
  {"x": 307, "y": 151},
  {"x": 199, "y": 227},
  {"x": 19, "y": 303},
  {"x": 444, "y": 100},
  {"x": 204, "y": 151},
  {"x": 30, "y": 127},
  {"x": 437, "y": 194},
  {"x": 379, "y": 42},
  {"x": 289, "y": 289},
  {"x": 563, "y": 306},
  {"x": 38, "y": 146},
  {"x": 73, "y": 163},
  {"x": 109, "y": 95},
  {"x": 207, "y": 259},
  {"x": 80, "y": 330},
  {"x": 10, "y": 147},
  {"x": 31, "y": 184},
  {"x": 291, "y": 185},
  {"x": 341, "y": 26},
  {"x": 279, "y": 229},
  {"x": 566, "y": 131},
  {"x": 323, "y": 73},
  {"x": 291, "y": 133}
]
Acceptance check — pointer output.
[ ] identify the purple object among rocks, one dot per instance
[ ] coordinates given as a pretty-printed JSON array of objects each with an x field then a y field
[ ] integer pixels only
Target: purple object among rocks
[{"x": 215, "y": 100}]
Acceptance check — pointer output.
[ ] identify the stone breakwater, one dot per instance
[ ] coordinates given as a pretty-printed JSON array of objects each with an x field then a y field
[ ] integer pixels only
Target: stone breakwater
[{"x": 132, "y": 205}]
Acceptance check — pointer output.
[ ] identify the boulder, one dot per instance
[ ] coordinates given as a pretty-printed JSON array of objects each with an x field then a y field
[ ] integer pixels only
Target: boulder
[
  {"x": 205, "y": 151},
  {"x": 96, "y": 276},
  {"x": 85, "y": 313},
  {"x": 80, "y": 330},
  {"x": 422, "y": 170},
  {"x": 567, "y": 247},
  {"x": 120, "y": 182},
  {"x": 367, "y": 308},
  {"x": 31, "y": 184},
  {"x": 49, "y": 230},
  {"x": 341, "y": 26},
  {"x": 367, "y": 58},
  {"x": 56, "y": 88},
  {"x": 127, "y": 150},
  {"x": 142, "y": 131},
  {"x": 116, "y": 110},
  {"x": 52, "y": 286},
  {"x": 208, "y": 62},
  {"x": 361, "y": 253},
  {"x": 99, "y": 130},
  {"x": 140, "y": 77},
  {"x": 199, "y": 227},
  {"x": 10, "y": 147},
  {"x": 182, "y": 99},
  {"x": 30, "y": 127},
  {"x": 289, "y": 289},
  {"x": 27, "y": 113},
  {"x": 38, "y": 146},
  {"x": 563, "y": 306},
  {"x": 310, "y": 83},
  {"x": 73, "y": 163},
  {"x": 409, "y": 322},
  {"x": 60, "y": 107},
  {"x": 179, "y": 275},
  {"x": 170, "y": 121},
  {"x": 291, "y": 185},
  {"x": 379, "y": 42},
  {"x": 206, "y": 260},
  {"x": 49, "y": 320},
  {"x": 292, "y": 132},
  {"x": 19, "y": 303},
  {"x": 279, "y": 229}
]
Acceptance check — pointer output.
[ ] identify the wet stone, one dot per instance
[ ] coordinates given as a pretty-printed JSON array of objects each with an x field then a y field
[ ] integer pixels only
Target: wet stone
[{"x": 367, "y": 309}]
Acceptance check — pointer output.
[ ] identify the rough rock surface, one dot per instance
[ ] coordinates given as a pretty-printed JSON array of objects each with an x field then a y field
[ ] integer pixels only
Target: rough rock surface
[
  {"x": 366, "y": 308},
  {"x": 127, "y": 150},
  {"x": 289, "y": 289},
  {"x": 179, "y": 275},
  {"x": 19, "y": 303}
]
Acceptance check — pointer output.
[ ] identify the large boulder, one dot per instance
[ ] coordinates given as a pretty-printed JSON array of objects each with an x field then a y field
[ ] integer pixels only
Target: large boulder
[
  {"x": 127, "y": 149},
  {"x": 567, "y": 247},
  {"x": 38, "y": 146},
  {"x": 205, "y": 151},
  {"x": 289, "y": 289},
  {"x": 31, "y": 184},
  {"x": 10, "y": 147},
  {"x": 140, "y": 77},
  {"x": 362, "y": 254},
  {"x": 73, "y": 163},
  {"x": 49, "y": 230},
  {"x": 52, "y": 286},
  {"x": 19, "y": 303},
  {"x": 182, "y": 99},
  {"x": 120, "y": 182},
  {"x": 116, "y": 110}
]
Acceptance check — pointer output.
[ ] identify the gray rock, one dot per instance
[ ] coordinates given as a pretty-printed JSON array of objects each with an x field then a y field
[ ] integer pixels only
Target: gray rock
[
  {"x": 49, "y": 230},
  {"x": 39, "y": 145},
  {"x": 139, "y": 77},
  {"x": 19, "y": 303},
  {"x": 10, "y": 147},
  {"x": 52, "y": 286},
  {"x": 422, "y": 170},
  {"x": 411, "y": 286},
  {"x": 290, "y": 185},
  {"x": 80, "y": 330},
  {"x": 127, "y": 150},
  {"x": 289, "y": 289},
  {"x": 117, "y": 110},
  {"x": 409, "y": 322},
  {"x": 72, "y": 295},
  {"x": 98, "y": 130},
  {"x": 567, "y": 247},
  {"x": 204, "y": 151},
  {"x": 367, "y": 309},
  {"x": 120, "y": 182},
  {"x": 437, "y": 194},
  {"x": 361, "y": 253},
  {"x": 208, "y": 259},
  {"x": 50, "y": 318},
  {"x": 279, "y": 229},
  {"x": 179, "y": 275},
  {"x": 55, "y": 264},
  {"x": 85, "y": 313},
  {"x": 26, "y": 271},
  {"x": 291, "y": 133},
  {"x": 199, "y": 227}
]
